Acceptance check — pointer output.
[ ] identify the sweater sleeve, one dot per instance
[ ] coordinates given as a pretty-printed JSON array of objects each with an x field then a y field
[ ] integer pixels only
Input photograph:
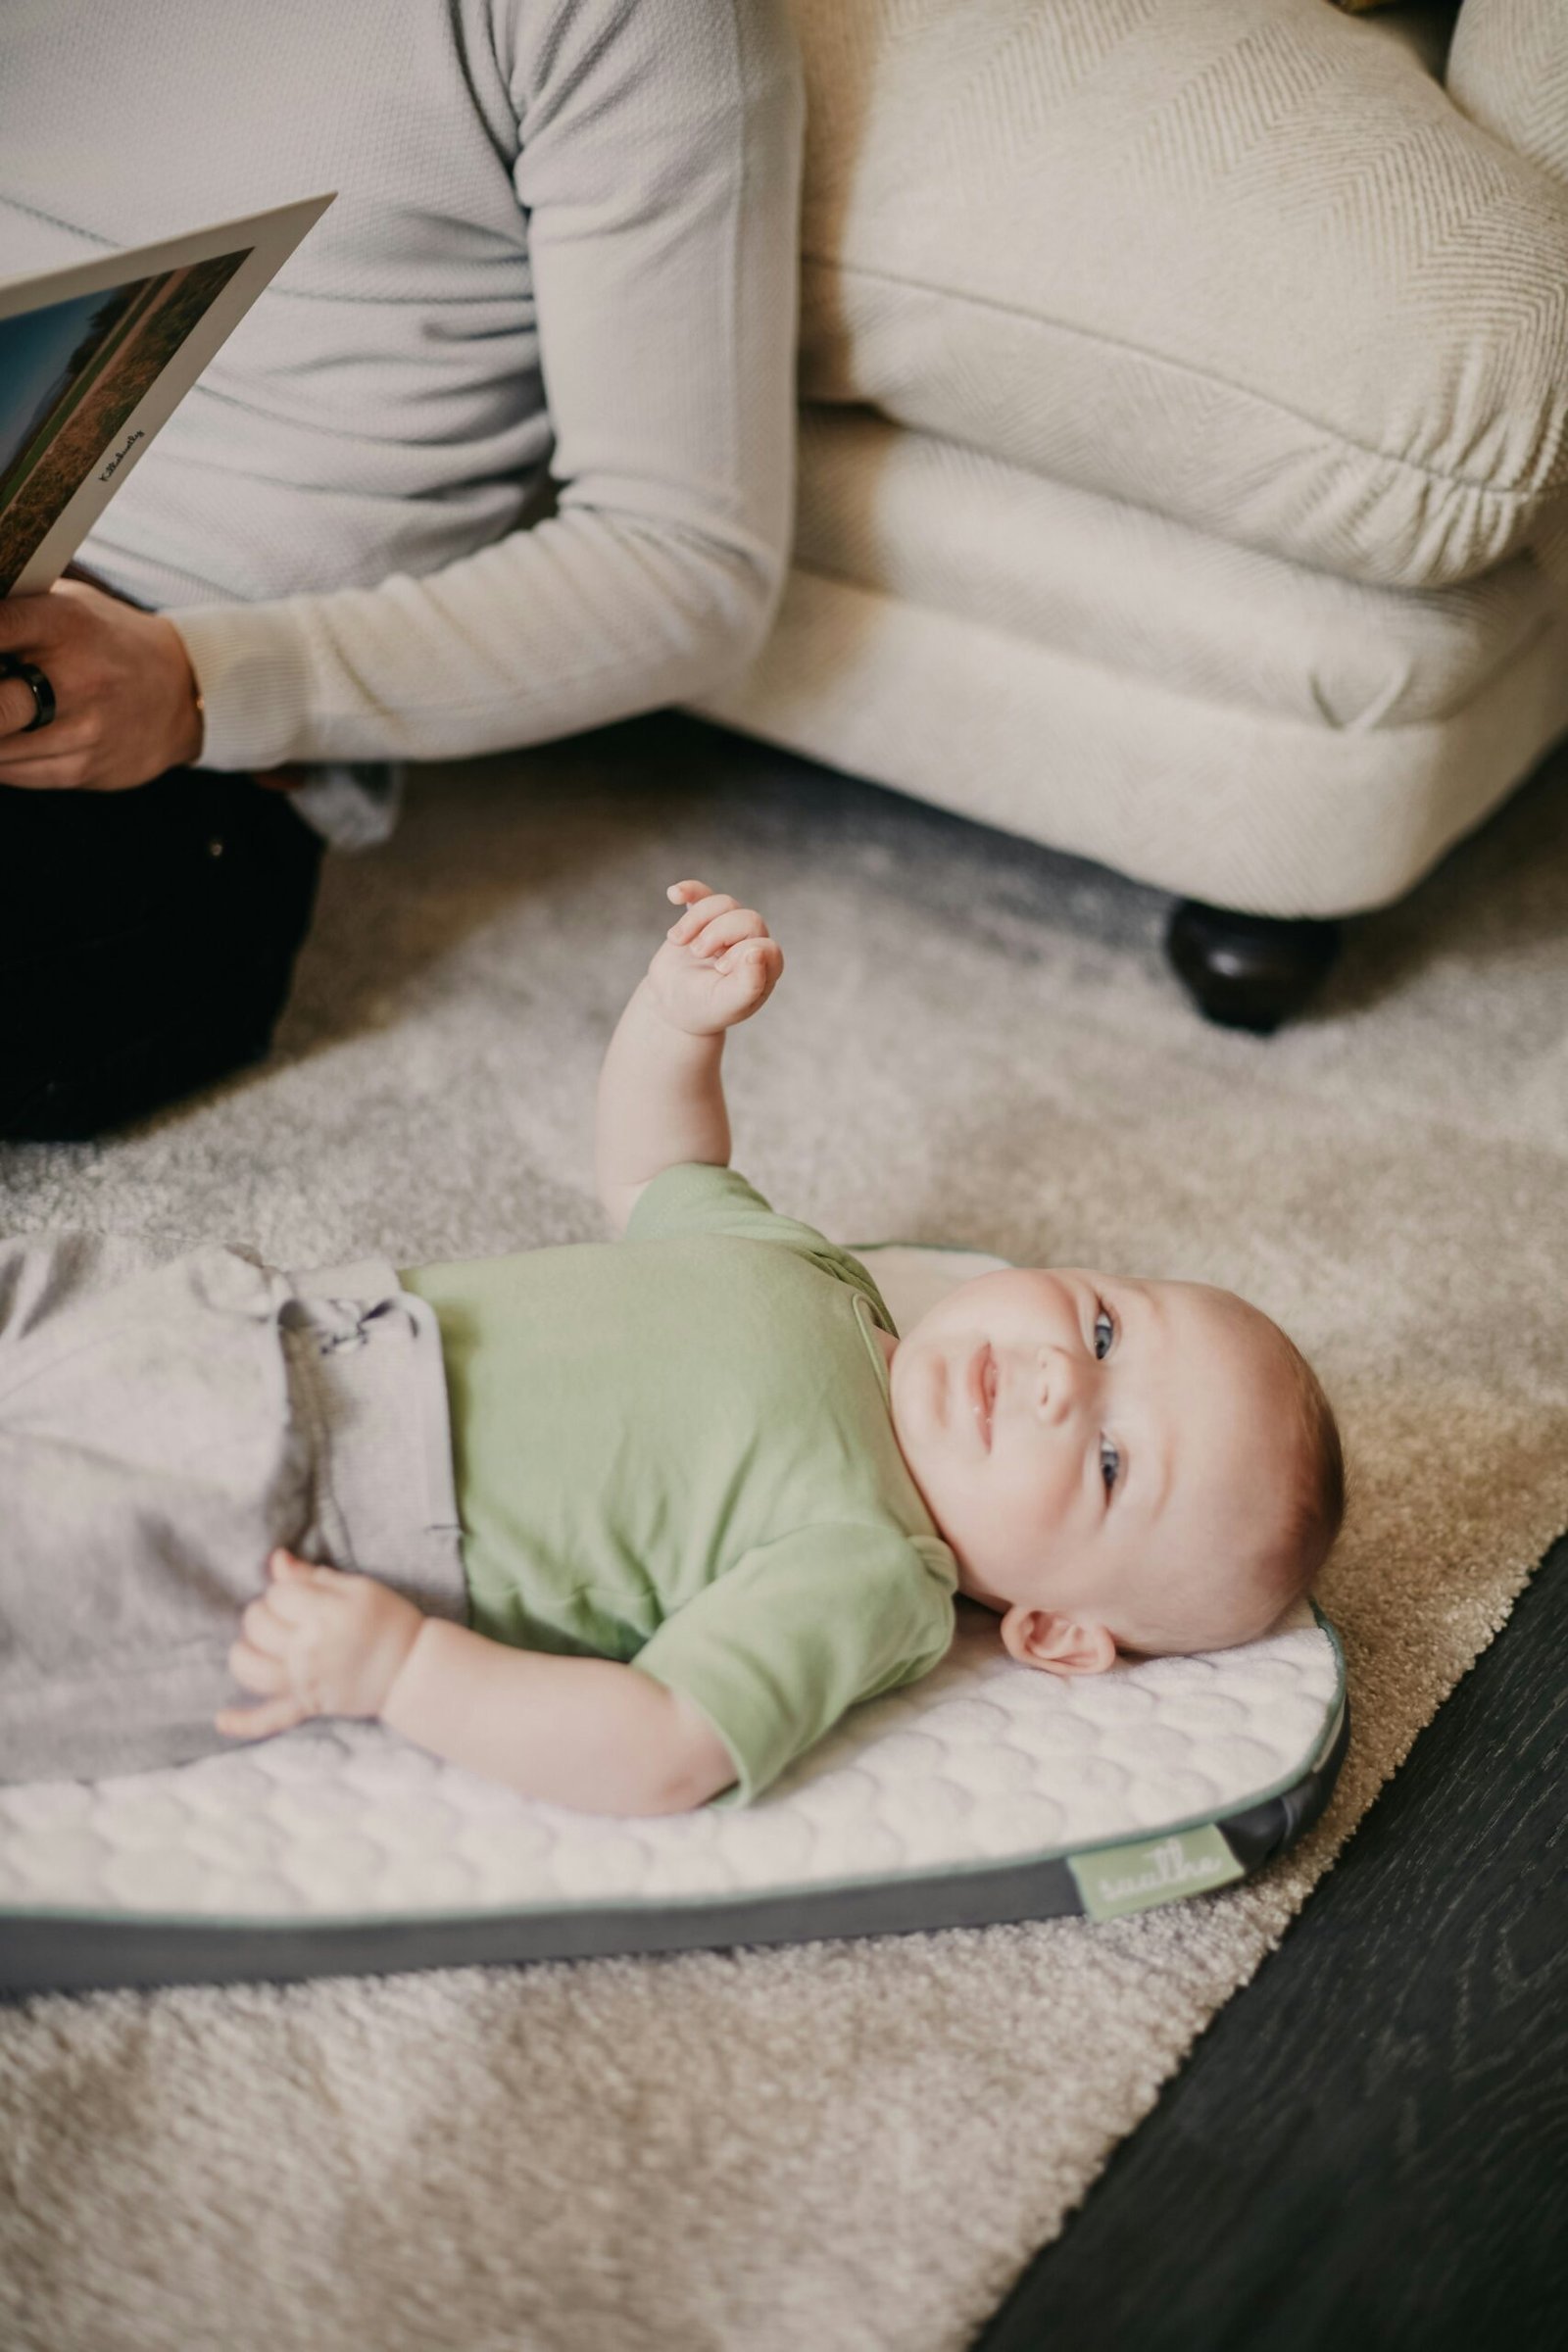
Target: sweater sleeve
[{"x": 659, "y": 167}]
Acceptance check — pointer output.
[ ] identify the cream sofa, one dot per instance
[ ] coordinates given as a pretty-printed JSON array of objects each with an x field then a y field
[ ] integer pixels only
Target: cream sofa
[{"x": 1184, "y": 460}]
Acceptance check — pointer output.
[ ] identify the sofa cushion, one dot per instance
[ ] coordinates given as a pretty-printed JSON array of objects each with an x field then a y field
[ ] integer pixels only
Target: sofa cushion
[
  {"x": 1508, "y": 72},
  {"x": 1248, "y": 267},
  {"x": 933, "y": 525},
  {"x": 1209, "y": 800}
]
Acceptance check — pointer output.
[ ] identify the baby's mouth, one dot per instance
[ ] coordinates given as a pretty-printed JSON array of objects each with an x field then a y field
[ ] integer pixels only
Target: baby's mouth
[{"x": 982, "y": 1385}]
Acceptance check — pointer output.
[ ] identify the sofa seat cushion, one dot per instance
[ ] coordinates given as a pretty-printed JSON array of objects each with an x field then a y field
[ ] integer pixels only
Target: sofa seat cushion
[
  {"x": 932, "y": 523},
  {"x": 1247, "y": 267},
  {"x": 1099, "y": 678}
]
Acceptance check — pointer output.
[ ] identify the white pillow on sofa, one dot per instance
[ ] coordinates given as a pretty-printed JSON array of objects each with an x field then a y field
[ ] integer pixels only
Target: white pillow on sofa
[{"x": 1250, "y": 268}]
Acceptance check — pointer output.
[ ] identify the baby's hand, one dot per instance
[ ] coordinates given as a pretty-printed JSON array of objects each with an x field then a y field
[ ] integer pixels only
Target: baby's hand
[
  {"x": 717, "y": 966},
  {"x": 316, "y": 1642}
]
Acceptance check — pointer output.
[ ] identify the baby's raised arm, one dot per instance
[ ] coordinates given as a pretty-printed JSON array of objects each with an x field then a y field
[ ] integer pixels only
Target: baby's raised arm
[{"x": 661, "y": 1092}]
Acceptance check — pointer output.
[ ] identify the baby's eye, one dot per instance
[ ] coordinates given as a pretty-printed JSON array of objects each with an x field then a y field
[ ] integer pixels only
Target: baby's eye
[
  {"x": 1110, "y": 1463},
  {"x": 1105, "y": 1333}
]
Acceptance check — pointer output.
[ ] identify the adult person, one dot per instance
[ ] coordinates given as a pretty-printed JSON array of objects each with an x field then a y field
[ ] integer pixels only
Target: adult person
[{"x": 504, "y": 452}]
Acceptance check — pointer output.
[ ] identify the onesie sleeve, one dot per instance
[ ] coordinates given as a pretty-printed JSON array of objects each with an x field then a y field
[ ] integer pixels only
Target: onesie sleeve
[
  {"x": 694, "y": 1199},
  {"x": 660, "y": 164},
  {"x": 780, "y": 1645}
]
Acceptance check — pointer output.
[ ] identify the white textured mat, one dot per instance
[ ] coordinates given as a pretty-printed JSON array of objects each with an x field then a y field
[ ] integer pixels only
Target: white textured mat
[{"x": 982, "y": 1762}]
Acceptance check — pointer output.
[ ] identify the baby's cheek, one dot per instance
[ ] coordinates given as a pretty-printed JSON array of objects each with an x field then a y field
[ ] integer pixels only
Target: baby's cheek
[
  {"x": 1051, "y": 1502},
  {"x": 1017, "y": 1513}
]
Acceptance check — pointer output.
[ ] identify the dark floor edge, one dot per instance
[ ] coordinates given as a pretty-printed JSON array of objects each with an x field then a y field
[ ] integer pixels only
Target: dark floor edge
[{"x": 1363, "y": 2146}]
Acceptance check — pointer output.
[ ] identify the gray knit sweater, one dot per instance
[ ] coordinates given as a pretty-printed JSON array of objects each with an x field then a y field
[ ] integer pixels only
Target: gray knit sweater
[{"x": 564, "y": 246}]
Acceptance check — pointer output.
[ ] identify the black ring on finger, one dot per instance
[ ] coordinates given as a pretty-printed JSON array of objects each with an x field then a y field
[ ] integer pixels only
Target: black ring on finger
[{"x": 44, "y": 705}]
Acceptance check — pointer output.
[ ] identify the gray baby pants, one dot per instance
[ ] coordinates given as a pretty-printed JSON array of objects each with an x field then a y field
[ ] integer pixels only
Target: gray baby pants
[{"x": 162, "y": 1427}]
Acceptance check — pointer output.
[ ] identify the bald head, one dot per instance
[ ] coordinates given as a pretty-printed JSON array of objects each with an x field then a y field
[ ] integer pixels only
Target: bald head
[{"x": 1266, "y": 1490}]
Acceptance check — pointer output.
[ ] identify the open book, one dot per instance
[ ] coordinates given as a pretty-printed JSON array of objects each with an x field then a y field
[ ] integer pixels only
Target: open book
[{"x": 93, "y": 359}]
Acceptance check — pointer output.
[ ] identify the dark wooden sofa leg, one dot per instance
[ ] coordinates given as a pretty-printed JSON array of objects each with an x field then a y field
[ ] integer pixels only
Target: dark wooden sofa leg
[{"x": 1248, "y": 971}]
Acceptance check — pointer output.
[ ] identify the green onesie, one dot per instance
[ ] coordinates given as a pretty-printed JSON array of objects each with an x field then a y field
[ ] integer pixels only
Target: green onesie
[{"x": 677, "y": 1449}]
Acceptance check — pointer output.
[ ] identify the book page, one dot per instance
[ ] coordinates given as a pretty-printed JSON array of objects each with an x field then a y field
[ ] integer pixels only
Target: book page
[
  {"x": 99, "y": 358},
  {"x": 94, "y": 358}
]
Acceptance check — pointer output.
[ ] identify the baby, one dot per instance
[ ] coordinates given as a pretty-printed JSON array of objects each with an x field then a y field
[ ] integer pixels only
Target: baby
[{"x": 625, "y": 1526}]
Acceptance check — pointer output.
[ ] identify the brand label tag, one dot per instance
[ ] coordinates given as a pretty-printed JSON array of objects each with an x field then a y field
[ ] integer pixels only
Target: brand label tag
[{"x": 1116, "y": 1878}]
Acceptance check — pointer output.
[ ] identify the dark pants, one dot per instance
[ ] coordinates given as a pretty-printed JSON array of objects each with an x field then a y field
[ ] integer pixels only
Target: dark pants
[{"x": 147, "y": 940}]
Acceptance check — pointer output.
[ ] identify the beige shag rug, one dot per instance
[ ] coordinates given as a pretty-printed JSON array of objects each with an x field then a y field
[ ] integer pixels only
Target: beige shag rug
[{"x": 850, "y": 2145}]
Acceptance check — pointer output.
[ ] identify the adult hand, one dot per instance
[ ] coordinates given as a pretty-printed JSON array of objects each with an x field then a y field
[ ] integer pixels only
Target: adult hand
[{"x": 124, "y": 692}]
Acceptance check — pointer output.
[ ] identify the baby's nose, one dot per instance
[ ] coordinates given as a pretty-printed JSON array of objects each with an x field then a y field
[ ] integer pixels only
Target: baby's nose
[{"x": 1056, "y": 1383}]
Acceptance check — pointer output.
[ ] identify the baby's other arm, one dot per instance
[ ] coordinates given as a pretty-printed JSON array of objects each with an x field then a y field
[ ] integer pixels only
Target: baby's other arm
[
  {"x": 587, "y": 1733},
  {"x": 660, "y": 1093}
]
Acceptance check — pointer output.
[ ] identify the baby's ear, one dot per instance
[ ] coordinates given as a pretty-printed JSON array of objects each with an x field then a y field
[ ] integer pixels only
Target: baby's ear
[{"x": 1055, "y": 1642}]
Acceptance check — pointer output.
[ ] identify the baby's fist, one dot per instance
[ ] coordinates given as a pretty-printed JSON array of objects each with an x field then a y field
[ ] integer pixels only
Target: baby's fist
[
  {"x": 318, "y": 1643},
  {"x": 720, "y": 963}
]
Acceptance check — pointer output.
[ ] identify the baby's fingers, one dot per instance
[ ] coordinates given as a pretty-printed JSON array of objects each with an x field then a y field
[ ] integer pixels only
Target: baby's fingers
[
  {"x": 257, "y": 1723},
  {"x": 698, "y": 915},
  {"x": 753, "y": 969},
  {"x": 265, "y": 1628},
  {"x": 727, "y": 931},
  {"x": 275, "y": 1621},
  {"x": 256, "y": 1669},
  {"x": 287, "y": 1568}
]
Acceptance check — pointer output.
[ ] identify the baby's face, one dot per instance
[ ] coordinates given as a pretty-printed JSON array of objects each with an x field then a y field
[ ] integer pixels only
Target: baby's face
[{"x": 1070, "y": 1431}]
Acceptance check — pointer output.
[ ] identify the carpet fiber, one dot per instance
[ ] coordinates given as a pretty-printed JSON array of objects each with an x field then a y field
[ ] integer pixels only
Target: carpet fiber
[{"x": 850, "y": 2145}]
